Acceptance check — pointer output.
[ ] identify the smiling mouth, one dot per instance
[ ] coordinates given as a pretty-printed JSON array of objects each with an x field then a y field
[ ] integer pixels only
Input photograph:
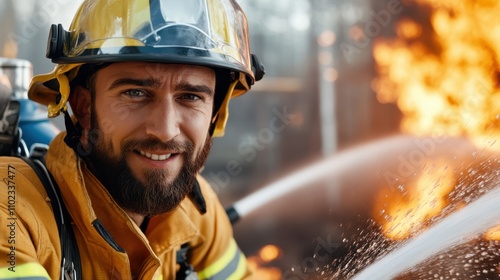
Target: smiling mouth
[{"x": 156, "y": 157}]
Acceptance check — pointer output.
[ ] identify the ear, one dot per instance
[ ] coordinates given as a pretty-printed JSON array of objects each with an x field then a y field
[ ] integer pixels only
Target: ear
[{"x": 80, "y": 101}]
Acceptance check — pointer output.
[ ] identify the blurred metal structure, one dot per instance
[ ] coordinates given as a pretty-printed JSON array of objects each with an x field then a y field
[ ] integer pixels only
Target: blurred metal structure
[
  {"x": 35, "y": 127},
  {"x": 19, "y": 72},
  {"x": 24, "y": 32},
  {"x": 25, "y": 28}
]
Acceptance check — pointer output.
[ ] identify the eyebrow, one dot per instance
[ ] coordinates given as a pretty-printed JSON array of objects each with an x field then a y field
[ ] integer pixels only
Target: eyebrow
[
  {"x": 156, "y": 83},
  {"x": 194, "y": 88},
  {"x": 135, "y": 82}
]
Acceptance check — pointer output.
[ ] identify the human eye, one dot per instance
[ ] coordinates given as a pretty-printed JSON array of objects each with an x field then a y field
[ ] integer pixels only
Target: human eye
[
  {"x": 190, "y": 97},
  {"x": 134, "y": 93}
]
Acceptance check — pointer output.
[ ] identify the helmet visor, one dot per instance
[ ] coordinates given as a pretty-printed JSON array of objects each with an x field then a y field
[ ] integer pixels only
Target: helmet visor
[{"x": 206, "y": 32}]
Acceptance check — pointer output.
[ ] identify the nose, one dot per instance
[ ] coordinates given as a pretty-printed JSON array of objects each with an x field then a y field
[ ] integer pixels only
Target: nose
[{"x": 163, "y": 121}]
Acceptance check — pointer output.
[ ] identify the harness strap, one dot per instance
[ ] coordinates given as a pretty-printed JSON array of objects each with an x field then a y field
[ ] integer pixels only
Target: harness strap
[
  {"x": 70, "y": 264},
  {"x": 186, "y": 271}
]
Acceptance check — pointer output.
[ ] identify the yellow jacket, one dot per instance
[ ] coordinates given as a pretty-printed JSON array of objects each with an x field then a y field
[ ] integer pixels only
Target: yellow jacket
[{"x": 29, "y": 239}]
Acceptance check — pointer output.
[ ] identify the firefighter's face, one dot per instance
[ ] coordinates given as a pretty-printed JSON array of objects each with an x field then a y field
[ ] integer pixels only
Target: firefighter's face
[{"x": 148, "y": 131}]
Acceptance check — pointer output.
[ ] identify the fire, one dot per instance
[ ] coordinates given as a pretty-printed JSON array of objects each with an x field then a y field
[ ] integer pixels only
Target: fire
[
  {"x": 445, "y": 83},
  {"x": 444, "y": 76},
  {"x": 266, "y": 255},
  {"x": 411, "y": 205},
  {"x": 269, "y": 253}
]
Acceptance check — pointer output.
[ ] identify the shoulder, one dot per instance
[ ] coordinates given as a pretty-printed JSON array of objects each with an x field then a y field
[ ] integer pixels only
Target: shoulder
[
  {"x": 214, "y": 209},
  {"x": 214, "y": 221},
  {"x": 214, "y": 250},
  {"x": 36, "y": 236},
  {"x": 21, "y": 183},
  {"x": 13, "y": 162},
  {"x": 206, "y": 188},
  {"x": 211, "y": 200},
  {"x": 18, "y": 174}
]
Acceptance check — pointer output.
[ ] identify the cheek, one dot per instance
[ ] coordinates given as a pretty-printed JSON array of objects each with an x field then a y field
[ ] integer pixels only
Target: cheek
[
  {"x": 196, "y": 127},
  {"x": 115, "y": 124},
  {"x": 115, "y": 116}
]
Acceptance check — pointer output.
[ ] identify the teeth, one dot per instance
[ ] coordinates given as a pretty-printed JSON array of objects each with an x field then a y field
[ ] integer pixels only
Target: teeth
[{"x": 155, "y": 156}]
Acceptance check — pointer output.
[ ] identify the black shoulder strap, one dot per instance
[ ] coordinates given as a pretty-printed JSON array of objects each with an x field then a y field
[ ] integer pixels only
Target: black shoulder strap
[
  {"x": 70, "y": 264},
  {"x": 186, "y": 271},
  {"x": 197, "y": 196}
]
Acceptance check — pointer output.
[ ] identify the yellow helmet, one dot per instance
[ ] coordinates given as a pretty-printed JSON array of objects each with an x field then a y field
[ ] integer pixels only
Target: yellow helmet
[{"x": 211, "y": 33}]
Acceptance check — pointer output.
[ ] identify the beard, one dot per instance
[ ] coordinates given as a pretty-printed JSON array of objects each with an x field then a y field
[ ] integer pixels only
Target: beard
[{"x": 156, "y": 195}]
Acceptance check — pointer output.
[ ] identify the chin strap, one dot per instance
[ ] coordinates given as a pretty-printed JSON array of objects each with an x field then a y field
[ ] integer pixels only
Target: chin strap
[
  {"x": 223, "y": 113},
  {"x": 197, "y": 197},
  {"x": 73, "y": 132}
]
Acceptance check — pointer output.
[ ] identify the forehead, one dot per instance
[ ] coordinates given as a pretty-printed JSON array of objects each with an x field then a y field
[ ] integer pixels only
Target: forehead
[{"x": 160, "y": 71}]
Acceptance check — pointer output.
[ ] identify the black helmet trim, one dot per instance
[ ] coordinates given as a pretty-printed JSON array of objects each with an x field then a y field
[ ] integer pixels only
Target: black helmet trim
[{"x": 173, "y": 55}]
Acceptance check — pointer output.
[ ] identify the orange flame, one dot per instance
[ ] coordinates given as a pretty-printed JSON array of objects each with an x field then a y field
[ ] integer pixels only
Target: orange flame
[
  {"x": 266, "y": 255},
  {"x": 445, "y": 80},
  {"x": 403, "y": 211},
  {"x": 453, "y": 90}
]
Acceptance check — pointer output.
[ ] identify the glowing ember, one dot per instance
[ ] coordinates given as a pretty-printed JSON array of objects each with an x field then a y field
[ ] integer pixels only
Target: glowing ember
[
  {"x": 445, "y": 79},
  {"x": 266, "y": 255},
  {"x": 269, "y": 253}
]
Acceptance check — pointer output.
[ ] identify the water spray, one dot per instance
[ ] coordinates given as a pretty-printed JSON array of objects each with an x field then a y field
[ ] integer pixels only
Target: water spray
[
  {"x": 331, "y": 166},
  {"x": 458, "y": 228}
]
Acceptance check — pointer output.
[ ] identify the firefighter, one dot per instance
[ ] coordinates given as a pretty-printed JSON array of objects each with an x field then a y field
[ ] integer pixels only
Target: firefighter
[{"x": 148, "y": 82}]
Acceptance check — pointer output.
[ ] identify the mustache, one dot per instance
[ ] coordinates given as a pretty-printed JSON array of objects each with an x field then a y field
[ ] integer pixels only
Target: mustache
[{"x": 155, "y": 144}]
